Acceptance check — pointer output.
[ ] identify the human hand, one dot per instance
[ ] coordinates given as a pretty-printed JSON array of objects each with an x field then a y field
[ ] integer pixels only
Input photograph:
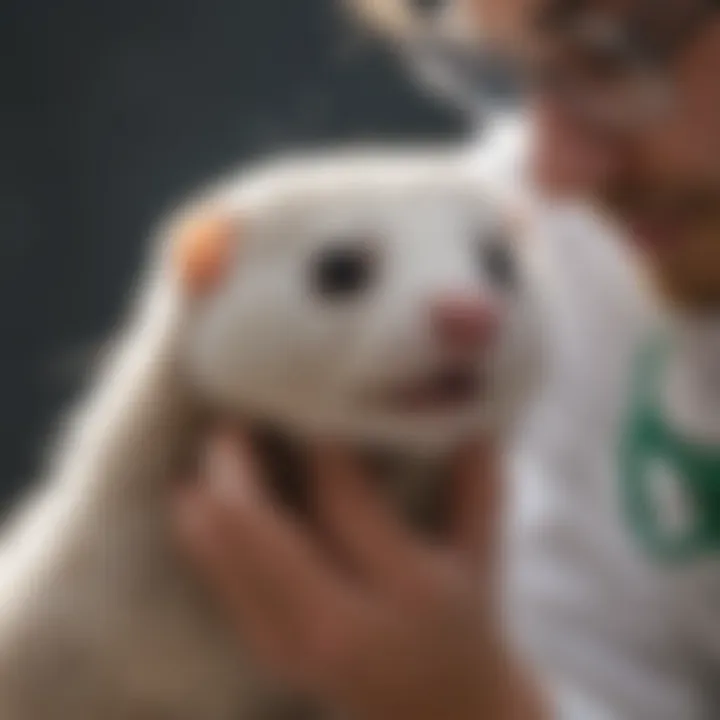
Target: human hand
[{"x": 371, "y": 619}]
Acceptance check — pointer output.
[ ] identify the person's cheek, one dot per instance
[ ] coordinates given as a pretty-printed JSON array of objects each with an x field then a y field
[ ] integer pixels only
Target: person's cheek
[
  {"x": 699, "y": 96},
  {"x": 678, "y": 149},
  {"x": 682, "y": 145},
  {"x": 568, "y": 160}
]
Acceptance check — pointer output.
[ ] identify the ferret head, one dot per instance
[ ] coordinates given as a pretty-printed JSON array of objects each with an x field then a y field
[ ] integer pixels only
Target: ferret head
[{"x": 383, "y": 298}]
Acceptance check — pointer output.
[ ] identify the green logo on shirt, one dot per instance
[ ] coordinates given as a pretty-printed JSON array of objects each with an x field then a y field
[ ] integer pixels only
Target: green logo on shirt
[{"x": 671, "y": 486}]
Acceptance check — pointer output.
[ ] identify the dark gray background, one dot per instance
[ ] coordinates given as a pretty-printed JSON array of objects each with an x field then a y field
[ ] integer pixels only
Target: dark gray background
[{"x": 113, "y": 108}]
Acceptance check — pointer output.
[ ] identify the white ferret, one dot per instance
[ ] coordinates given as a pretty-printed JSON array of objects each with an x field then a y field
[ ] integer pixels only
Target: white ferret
[{"x": 381, "y": 297}]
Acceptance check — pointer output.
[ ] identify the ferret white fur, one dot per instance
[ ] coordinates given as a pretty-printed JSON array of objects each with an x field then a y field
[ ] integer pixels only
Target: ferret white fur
[{"x": 98, "y": 618}]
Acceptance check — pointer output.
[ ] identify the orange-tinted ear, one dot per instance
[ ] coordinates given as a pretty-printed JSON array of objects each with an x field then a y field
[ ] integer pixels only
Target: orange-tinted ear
[{"x": 203, "y": 250}]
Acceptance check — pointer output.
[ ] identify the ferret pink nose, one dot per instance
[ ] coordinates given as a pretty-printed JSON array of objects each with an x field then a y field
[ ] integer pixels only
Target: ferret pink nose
[{"x": 464, "y": 322}]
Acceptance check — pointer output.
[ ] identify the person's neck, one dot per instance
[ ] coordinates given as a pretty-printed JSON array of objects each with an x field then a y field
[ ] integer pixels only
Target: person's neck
[{"x": 693, "y": 376}]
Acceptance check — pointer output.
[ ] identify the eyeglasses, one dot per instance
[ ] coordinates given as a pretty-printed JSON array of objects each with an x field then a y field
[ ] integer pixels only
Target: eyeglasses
[{"x": 613, "y": 72}]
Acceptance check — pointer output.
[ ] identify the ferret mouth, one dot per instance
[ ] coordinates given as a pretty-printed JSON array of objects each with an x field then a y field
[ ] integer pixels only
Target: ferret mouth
[{"x": 446, "y": 389}]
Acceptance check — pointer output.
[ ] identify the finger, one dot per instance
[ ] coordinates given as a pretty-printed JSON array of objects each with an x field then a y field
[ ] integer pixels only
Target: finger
[
  {"x": 373, "y": 539},
  {"x": 476, "y": 489},
  {"x": 269, "y": 548},
  {"x": 243, "y": 607}
]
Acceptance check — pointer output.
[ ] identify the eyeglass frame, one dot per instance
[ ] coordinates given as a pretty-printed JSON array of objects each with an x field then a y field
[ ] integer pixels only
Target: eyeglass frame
[{"x": 645, "y": 58}]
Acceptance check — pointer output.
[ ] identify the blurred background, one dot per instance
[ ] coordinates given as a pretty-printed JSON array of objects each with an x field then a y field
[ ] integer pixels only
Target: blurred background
[{"x": 112, "y": 110}]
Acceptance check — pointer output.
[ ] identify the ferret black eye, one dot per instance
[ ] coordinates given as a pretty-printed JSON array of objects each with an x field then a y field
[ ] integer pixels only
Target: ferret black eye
[
  {"x": 498, "y": 261},
  {"x": 343, "y": 271}
]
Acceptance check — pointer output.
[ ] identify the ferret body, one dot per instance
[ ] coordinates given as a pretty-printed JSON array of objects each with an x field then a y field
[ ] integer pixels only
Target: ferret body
[{"x": 298, "y": 297}]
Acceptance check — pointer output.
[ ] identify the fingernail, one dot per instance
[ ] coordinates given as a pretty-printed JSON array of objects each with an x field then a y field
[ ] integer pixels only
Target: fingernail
[
  {"x": 226, "y": 469},
  {"x": 220, "y": 464}
]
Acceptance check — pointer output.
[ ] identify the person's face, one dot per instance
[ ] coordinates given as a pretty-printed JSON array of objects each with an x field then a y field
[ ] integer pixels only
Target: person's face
[{"x": 659, "y": 176}]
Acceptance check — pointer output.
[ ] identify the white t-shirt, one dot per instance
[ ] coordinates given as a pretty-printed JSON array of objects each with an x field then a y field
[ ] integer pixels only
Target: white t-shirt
[{"x": 618, "y": 635}]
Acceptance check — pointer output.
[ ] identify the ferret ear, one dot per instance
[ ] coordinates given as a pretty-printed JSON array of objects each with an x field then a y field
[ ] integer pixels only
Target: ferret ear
[{"x": 204, "y": 245}]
